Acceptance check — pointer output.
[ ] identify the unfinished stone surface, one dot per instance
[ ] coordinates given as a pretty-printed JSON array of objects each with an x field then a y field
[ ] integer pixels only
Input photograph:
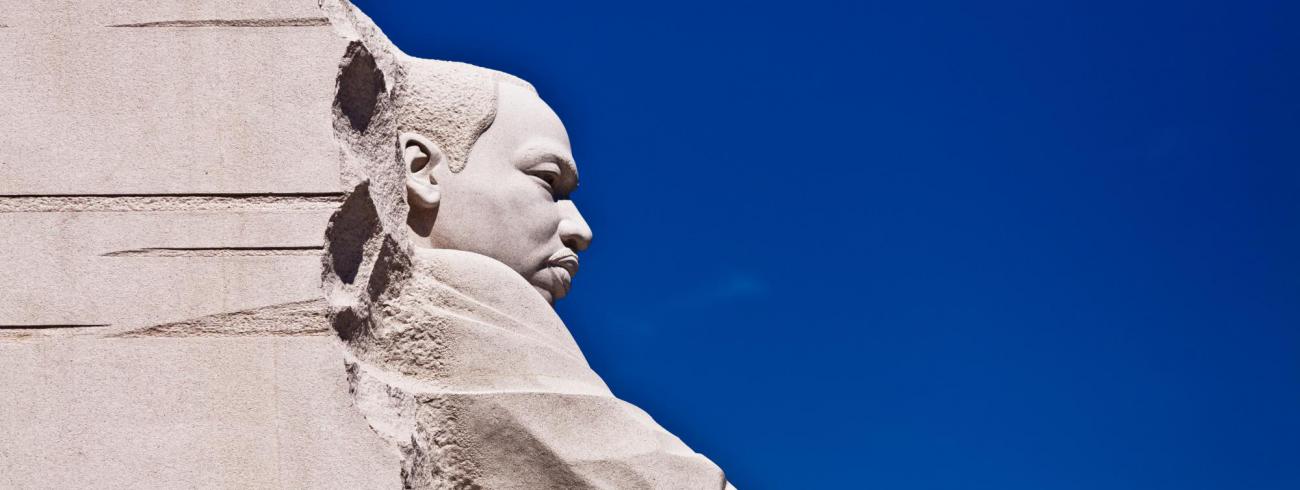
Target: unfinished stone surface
[{"x": 469, "y": 373}]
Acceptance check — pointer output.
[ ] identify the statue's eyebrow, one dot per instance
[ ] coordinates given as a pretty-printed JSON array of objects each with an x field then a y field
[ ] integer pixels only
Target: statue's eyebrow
[{"x": 540, "y": 152}]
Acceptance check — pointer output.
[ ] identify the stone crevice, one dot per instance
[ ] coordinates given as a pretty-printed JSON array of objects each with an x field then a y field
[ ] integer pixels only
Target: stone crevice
[{"x": 287, "y": 22}]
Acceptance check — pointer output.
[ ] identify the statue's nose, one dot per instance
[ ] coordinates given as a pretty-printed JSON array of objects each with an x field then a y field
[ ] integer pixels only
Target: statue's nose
[{"x": 574, "y": 232}]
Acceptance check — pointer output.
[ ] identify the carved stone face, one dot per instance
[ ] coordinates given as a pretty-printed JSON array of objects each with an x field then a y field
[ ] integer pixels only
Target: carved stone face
[{"x": 511, "y": 200}]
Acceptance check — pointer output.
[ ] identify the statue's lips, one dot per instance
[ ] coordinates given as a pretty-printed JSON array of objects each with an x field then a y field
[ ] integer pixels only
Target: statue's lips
[
  {"x": 566, "y": 259},
  {"x": 561, "y": 267}
]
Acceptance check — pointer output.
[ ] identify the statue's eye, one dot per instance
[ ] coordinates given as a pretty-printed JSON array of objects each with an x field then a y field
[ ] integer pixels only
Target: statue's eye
[
  {"x": 548, "y": 177},
  {"x": 548, "y": 174}
]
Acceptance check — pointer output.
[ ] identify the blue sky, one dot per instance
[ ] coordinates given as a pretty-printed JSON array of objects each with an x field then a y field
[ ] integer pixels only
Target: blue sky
[{"x": 931, "y": 245}]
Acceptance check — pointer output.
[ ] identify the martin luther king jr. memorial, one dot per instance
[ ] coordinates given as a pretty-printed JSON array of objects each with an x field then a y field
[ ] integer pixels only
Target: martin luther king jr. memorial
[{"x": 253, "y": 244}]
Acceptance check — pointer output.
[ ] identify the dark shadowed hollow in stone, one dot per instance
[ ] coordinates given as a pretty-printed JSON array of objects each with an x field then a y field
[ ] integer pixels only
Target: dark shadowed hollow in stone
[
  {"x": 359, "y": 84},
  {"x": 350, "y": 228}
]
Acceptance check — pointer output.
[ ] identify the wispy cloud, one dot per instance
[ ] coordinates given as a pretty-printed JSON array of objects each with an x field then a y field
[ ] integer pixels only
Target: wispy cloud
[{"x": 722, "y": 289}]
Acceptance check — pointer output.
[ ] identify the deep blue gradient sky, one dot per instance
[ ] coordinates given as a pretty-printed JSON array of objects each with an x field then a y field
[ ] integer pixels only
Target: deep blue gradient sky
[{"x": 937, "y": 245}]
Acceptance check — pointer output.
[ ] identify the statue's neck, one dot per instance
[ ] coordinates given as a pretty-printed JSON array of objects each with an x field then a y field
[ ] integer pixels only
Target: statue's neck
[{"x": 467, "y": 322}]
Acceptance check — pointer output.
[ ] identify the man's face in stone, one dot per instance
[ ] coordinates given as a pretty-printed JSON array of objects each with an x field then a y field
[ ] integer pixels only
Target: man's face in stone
[{"x": 511, "y": 200}]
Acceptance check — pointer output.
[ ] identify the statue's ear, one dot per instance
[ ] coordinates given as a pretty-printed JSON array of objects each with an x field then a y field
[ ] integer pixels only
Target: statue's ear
[{"x": 421, "y": 156}]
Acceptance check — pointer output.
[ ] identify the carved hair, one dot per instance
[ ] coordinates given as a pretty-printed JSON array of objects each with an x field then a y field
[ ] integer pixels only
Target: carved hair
[{"x": 450, "y": 103}]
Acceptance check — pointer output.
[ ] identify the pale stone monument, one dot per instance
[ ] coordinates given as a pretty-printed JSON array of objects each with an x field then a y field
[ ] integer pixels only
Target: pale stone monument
[{"x": 239, "y": 261}]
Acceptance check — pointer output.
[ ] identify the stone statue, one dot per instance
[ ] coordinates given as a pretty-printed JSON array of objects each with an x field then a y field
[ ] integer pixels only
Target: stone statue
[
  {"x": 440, "y": 270},
  {"x": 371, "y": 311},
  {"x": 506, "y": 196}
]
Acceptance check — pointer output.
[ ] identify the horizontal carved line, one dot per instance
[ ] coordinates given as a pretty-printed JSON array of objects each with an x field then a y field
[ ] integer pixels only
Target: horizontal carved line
[
  {"x": 300, "y": 318},
  {"x": 53, "y": 326},
  {"x": 56, "y": 203},
  {"x": 289, "y": 22},
  {"x": 309, "y": 250},
  {"x": 189, "y": 194}
]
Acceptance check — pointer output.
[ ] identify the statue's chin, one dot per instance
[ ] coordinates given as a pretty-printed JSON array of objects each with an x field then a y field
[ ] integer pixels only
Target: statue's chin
[
  {"x": 553, "y": 282},
  {"x": 546, "y": 294}
]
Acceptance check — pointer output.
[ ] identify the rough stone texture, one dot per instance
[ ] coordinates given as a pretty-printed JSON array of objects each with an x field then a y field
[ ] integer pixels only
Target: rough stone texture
[
  {"x": 289, "y": 319},
  {"x": 456, "y": 102},
  {"x": 471, "y": 375}
]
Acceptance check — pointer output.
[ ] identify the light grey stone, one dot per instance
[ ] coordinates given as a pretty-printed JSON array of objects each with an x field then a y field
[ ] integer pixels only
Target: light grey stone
[
  {"x": 441, "y": 264},
  {"x": 64, "y": 14},
  {"x": 167, "y": 110},
  {"x": 252, "y": 244},
  {"x": 159, "y": 412},
  {"x": 146, "y": 267}
]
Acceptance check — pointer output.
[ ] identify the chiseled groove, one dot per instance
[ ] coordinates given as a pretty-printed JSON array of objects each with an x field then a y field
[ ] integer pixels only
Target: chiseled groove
[
  {"x": 285, "y": 22},
  {"x": 231, "y": 195},
  {"x": 308, "y": 250},
  {"x": 299, "y": 318},
  {"x": 53, "y": 326},
  {"x": 55, "y": 203}
]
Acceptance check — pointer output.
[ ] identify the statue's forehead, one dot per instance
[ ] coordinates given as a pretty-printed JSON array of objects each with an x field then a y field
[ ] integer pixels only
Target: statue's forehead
[{"x": 527, "y": 120}]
